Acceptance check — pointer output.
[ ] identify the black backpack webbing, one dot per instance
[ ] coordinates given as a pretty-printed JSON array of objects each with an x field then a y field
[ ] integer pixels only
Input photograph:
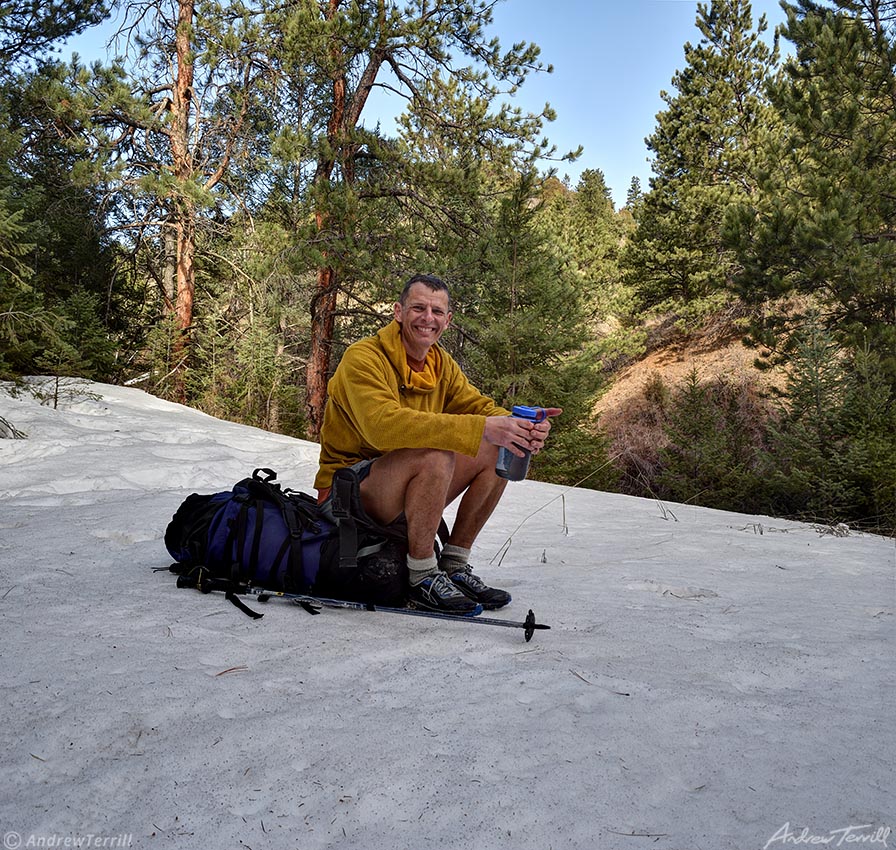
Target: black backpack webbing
[
  {"x": 350, "y": 514},
  {"x": 299, "y": 513}
]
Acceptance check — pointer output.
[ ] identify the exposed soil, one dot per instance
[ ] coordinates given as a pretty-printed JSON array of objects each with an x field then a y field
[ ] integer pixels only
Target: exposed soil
[
  {"x": 674, "y": 363},
  {"x": 717, "y": 350}
]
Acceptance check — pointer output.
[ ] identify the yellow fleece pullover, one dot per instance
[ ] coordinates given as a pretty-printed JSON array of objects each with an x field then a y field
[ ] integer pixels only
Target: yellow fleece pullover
[{"x": 377, "y": 404}]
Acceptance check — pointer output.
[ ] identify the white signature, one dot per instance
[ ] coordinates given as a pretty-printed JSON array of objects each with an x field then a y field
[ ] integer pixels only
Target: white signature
[{"x": 854, "y": 834}]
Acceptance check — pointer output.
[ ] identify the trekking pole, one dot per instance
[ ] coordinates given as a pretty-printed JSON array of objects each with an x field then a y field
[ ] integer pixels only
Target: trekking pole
[
  {"x": 312, "y": 604},
  {"x": 309, "y": 602}
]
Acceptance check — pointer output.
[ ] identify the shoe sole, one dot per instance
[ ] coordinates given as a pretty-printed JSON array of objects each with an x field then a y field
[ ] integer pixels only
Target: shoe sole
[
  {"x": 488, "y": 606},
  {"x": 422, "y": 606},
  {"x": 493, "y": 606}
]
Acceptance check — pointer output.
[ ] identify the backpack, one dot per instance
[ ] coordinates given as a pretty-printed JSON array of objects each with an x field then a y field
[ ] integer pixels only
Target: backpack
[{"x": 261, "y": 535}]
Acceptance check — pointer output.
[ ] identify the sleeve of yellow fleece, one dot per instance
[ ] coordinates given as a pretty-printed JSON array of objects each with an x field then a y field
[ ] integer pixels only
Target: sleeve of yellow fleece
[
  {"x": 384, "y": 424},
  {"x": 463, "y": 397}
]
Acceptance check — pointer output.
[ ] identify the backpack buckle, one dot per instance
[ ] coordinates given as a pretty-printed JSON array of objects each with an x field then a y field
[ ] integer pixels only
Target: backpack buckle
[{"x": 343, "y": 489}]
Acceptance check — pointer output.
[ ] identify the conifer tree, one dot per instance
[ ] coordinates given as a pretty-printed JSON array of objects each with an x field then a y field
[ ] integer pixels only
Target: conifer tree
[
  {"x": 333, "y": 55},
  {"x": 61, "y": 263},
  {"x": 809, "y": 480},
  {"x": 716, "y": 434},
  {"x": 634, "y": 195},
  {"x": 30, "y": 28},
  {"x": 833, "y": 455},
  {"x": 594, "y": 232},
  {"x": 704, "y": 150},
  {"x": 523, "y": 315},
  {"x": 823, "y": 226},
  {"x": 28, "y": 31},
  {"x": 588, "y": 235},
  {"x": 169, "y": 137}
]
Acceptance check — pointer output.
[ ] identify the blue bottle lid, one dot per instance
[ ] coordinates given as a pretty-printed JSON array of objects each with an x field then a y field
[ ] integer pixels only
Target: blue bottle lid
[{"x": 534, "y": 414}]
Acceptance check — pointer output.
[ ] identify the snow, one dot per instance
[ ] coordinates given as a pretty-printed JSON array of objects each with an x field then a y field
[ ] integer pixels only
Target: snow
[{"x": 710, "y": 680}]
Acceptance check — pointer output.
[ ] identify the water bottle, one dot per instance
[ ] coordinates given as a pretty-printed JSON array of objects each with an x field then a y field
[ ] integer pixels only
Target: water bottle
[{"x": 510, "y": 466}]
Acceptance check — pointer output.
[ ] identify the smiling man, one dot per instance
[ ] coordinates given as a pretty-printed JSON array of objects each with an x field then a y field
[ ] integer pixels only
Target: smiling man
[{"x": 403, "y": 415}]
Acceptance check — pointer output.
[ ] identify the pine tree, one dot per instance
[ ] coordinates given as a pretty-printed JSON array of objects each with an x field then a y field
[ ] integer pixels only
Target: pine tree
[
  {"x": 63, "y": 261},
  {"x": 634, "y": 196},
  {"x": 823, "y": 226},
  {"x": 594, "y": 232},
  {"x": 834, "y": 452},
  {"x": 704, "y": 150},
  {"x": 714, "y": 455},
  {"x": 31, "y": 28},
  {"x": 332, "y": 56},
  {"x": 522, "y": 316},
  {"x": 28, "y": 235},
  {"x": 169, "y": 137}
]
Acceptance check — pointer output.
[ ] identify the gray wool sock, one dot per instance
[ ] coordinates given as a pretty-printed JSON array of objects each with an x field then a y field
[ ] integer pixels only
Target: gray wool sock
[
  {"x": 454, "y": 558},
  {"x": 421, "y": 568}
]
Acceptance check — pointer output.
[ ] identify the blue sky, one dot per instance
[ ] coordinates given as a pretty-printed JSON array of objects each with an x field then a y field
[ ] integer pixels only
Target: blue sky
[{"x": 611, "y": 59}]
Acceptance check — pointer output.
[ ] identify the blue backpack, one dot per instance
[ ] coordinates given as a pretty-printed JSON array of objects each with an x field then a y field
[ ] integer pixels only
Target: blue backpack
[{"x": 263, "y": 536}]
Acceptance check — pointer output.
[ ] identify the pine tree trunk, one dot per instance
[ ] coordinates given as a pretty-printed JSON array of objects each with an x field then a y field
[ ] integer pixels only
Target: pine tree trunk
[
  {"x": 273, "y": 405},
  {"x": 185, "y": 211},
  {"x": 169, "y": 269},
  {"x": 323, "y": 320},
  {"x": 345, "y": 112},
  {"x": 323, "y": 304}
]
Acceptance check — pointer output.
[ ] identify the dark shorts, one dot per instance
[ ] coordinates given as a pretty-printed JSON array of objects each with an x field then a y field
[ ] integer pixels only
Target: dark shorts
[
  {"x": 325, "y": 497},
  {"x": 362, "y": 470}
]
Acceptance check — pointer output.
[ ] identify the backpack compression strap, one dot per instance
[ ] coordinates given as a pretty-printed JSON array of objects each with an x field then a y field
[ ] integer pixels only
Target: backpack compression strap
[
  {"x": 297, "y": 517},
  {"x": 349, "y": 513},
  {"x": 346, "y": 498}
]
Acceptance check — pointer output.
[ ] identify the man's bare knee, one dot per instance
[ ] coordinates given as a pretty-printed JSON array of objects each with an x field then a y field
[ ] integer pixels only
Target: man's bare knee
[
  {"x": 467, "y": 469},
  {"x": 384, "y": 491}
]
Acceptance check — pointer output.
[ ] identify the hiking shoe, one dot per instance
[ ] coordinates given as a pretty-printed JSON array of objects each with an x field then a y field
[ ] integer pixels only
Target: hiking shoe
[
  {"x": 439, "y": 593},
  {"x": 476, "y": 589}
]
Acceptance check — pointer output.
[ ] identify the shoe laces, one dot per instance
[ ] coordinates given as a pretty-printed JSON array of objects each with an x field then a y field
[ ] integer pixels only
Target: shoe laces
[
  {"x": 442, "y": 585},
  {"x": 471, "y": 580}
]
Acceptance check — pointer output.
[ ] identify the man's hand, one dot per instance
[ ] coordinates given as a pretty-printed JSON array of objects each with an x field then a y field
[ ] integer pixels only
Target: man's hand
[{"x": 518, "y": 434}]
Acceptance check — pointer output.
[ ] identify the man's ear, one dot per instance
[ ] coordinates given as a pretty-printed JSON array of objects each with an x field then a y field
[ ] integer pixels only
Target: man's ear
[{"x": 396, "y": 311}]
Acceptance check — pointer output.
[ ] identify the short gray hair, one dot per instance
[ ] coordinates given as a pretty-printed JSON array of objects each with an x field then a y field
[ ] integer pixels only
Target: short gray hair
[{"x": 436, "y": 284}]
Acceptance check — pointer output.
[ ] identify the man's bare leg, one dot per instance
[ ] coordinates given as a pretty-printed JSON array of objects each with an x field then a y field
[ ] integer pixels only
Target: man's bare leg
[
  {"x": 422, "y": 482},
  {"x": 483, "y": 492},
  {"x": 413, "y": 481}
]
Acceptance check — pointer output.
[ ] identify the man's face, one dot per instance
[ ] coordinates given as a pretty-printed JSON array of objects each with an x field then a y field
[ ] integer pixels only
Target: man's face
[{"x": 423, "y": 318}]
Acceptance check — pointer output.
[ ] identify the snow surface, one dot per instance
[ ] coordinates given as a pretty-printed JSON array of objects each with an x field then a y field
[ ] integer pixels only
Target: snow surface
[{"x": 711, "y": 680}]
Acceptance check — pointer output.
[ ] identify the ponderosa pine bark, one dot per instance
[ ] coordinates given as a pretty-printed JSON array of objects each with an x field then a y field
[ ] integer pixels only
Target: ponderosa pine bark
[
  {"x": 346, "y": 107},
  {"x": 185, "y": 212}
]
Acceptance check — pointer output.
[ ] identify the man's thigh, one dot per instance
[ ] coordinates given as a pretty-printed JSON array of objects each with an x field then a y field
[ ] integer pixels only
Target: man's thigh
[
  {"x": 385, "y": 485},
  {"x": 383, "y": 490}
]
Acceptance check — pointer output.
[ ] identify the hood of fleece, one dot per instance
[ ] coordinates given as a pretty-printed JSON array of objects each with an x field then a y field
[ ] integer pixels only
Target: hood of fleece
[{"x": 421, "y": 382}]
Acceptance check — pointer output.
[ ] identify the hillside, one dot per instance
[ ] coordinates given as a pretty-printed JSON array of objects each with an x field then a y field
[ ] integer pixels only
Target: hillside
[{"x": 712, "y": 354}]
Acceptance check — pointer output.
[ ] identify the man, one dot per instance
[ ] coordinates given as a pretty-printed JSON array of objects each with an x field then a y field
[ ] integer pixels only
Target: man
[{"x": 401, "y": 412}]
